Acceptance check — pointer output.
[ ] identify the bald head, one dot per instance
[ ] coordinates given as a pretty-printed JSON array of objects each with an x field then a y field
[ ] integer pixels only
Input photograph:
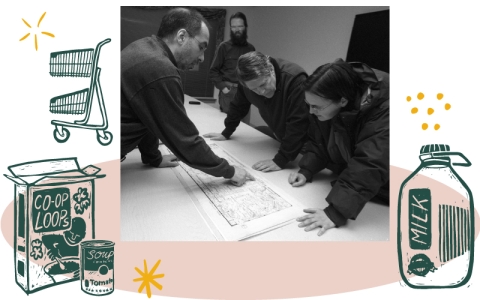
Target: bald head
[{"x": 181, "y": 18}]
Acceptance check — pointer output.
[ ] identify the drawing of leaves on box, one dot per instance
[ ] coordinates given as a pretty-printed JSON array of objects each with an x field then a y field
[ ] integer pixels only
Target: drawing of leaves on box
[
  {"x": 37, "y": 252},
  {"x": 54, "y": 204},
  {"x": 83, "y": 202}
]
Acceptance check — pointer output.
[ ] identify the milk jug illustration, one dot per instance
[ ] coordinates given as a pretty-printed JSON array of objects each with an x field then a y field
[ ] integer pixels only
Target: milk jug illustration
[{"x": 435, "y": 234}]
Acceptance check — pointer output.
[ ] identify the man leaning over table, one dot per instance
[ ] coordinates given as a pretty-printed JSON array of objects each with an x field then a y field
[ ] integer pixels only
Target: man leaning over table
[
  {"x": 274, "y": 86},
  {"x": 152, "y": 97}
]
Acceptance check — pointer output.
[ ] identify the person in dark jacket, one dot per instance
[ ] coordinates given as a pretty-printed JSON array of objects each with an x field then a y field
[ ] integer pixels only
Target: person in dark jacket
[
  {"x": 222, "y": 71},
  {"x": 152, "y": 97},
  {"x": 348, "y": 134},
  {"x": 274, "y": 86}
]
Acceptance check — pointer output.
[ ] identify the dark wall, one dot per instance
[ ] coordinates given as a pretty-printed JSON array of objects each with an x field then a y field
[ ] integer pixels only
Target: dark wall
[
  {"x": 369, "y": 42},
  {"x": 137, "y": 23}
]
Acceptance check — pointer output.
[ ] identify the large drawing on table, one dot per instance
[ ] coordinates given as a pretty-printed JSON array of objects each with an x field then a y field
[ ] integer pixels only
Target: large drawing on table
[{"x": 239, "y": 212}]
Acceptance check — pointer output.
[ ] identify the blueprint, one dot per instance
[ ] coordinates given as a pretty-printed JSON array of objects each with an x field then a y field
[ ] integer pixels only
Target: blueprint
[{"x": 240, "y": 212}]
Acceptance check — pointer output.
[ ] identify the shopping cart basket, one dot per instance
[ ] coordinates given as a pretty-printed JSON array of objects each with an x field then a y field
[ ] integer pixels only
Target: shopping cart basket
[{"x": 79, "y": 63}]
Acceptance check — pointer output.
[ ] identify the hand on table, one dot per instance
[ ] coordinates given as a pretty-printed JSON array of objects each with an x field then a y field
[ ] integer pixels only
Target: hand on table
[
  {"x": 266, "y": 166},
  {"x": 168, "y": 161},
  {"x": 297, "y": 179},
  {"x": 240, "y": 176},
  {"x": 215, "y": 136},
  {"x": 316, "y": 218}
]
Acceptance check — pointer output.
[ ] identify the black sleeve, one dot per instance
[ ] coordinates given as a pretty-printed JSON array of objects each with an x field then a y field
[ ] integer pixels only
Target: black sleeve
[
  {"x": 316, "y": 156},
  {"x": 367, "y": 170},
  {"x": 239, "y": 108},
  {"x": 296, "y": 123},
  {"x": 160, "y": 107}
]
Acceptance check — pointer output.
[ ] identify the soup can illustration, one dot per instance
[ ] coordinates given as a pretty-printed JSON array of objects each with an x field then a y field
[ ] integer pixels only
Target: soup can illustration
[{"x": 96, "y": 269}]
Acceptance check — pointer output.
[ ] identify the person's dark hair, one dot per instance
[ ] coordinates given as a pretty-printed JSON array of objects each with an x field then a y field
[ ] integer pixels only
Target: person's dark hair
[
  {"x": 239, "y": 15},
  {"x": 252, "y": 65},
  {"x": 334, "y": 81},
  {"x": 181, "y": 18}
]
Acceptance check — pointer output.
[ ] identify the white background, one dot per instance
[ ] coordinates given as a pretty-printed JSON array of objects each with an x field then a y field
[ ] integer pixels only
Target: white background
[{"x": 434, "y": 48}]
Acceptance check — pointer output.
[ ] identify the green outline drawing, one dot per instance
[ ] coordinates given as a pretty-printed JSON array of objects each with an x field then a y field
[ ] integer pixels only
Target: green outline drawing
[
  {"x": 97, "y": 276},
  {"x": 79, "y": 63},
  {"x": 54, "y": 217},
  {"x": 454, "y": 231}
]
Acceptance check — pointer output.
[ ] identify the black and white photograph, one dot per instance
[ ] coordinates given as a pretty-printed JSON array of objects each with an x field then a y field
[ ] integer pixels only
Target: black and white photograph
[{"x": 255, "y": 123}]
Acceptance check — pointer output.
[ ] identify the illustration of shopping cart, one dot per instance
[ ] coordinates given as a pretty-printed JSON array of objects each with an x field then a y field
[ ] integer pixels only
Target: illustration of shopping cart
[{"x": 79, "y": 63}]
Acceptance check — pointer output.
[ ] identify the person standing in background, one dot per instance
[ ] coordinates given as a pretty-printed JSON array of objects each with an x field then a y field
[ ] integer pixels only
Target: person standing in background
[
  {"x": 222, "y": 70},
  {"x": 152, "y": 97}
]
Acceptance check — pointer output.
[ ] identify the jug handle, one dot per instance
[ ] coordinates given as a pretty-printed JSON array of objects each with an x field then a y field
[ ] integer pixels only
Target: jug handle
[{"x": 466, "y": 162}]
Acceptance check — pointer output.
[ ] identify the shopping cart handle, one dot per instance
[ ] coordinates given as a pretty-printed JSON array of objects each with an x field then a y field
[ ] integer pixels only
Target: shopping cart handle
[
  {"x": 105, "y": 41},
  {"x": 97, "y": 50}
]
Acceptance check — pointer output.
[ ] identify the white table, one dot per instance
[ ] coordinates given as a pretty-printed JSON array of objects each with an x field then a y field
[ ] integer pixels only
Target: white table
[{"x": 156, "y": 207}]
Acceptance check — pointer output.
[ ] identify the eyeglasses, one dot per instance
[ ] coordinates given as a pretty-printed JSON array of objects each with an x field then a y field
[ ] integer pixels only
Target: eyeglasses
[
  {"x": 316, "y": 108},
  {"x": 200, "y": 45}
]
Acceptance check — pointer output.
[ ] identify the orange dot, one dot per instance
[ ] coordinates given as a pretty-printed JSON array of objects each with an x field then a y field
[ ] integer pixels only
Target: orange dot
[
  {"x": 439, "y": 96},
  {"x": 424, "y": 126},
  {"x": 409, "y": 98},
  {"x": 414, "y": 110},
  {"x": 420, "y": 96},
  {"x": 437, "y": 126},
  {"x": 447, "y": 106},
  {"x": 430, "y": 111}
]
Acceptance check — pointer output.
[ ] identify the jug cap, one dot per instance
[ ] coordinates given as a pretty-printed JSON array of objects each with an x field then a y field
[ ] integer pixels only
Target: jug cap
[
  {"x": 441, "y": 151},
  {"x": 434, "y": 148}
]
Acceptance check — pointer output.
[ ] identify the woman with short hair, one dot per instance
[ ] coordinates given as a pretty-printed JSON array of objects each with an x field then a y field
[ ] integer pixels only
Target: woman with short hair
[{"x": 348, "y": 134}]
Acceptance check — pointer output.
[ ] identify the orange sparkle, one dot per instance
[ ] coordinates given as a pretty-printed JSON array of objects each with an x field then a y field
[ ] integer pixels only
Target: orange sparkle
[
  {"x": 35, "y": 36},
  {"x": 48, "y": 33},
  {"x": 41, "y": 18},
  {"x": 148, "y": 277},
  {"x": 26, "y": 23},
  {"x": 25, "y": 36}
]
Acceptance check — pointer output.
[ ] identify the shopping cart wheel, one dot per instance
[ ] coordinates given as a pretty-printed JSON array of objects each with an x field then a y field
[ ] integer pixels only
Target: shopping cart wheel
[
  {"x": 61, "y": 137},
  {"x": 105, "y": 140}
]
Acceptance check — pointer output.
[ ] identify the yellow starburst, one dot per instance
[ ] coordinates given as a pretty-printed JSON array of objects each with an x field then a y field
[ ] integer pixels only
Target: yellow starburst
[
  {"x": 38, "y": 26},
  {"x": 148, "y": 277}
]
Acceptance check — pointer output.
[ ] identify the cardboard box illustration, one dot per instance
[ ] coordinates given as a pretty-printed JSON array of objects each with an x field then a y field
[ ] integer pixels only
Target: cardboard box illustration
[{"x": 54, "y": 212}]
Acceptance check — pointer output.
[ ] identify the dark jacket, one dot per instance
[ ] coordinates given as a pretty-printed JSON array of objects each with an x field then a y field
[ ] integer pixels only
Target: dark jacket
[
  {"x": 152, "y": 100},
  {"x": 225, "y": 62},
  {"x": 285, "y": 113},
  {"x": 355, "y": 145}
]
